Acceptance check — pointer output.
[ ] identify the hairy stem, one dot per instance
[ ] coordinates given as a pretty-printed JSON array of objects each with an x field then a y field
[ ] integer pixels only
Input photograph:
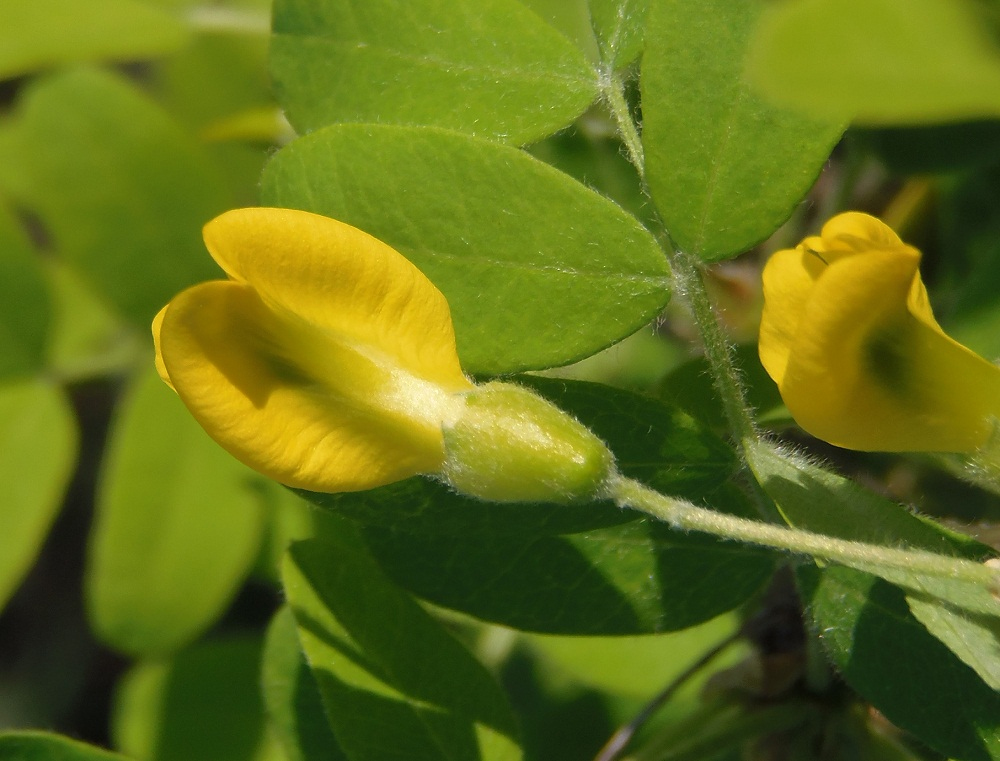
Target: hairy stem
[
  {"x": 613, "y": 91},
  {"x": 718, "y": 351},
  {"x": 871, "y": 558}
]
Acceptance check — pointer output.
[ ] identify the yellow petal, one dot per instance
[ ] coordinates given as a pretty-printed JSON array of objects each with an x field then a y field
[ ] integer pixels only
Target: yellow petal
[
  {"x": 160, "y": 367},
  {"x": 342, "y": 280},
  {"x": 864, "y": 372},
  {"x": 789, "y": 278},
  {"x": 853, "y": 232},
  {"x": 292, "y": 400}
]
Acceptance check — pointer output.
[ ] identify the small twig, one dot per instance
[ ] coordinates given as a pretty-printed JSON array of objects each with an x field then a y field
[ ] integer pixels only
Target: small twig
[{"x": 620, "y": 739}]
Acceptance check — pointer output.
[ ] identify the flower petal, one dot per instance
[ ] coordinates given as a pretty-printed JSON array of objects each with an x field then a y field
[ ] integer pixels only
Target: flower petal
[
  {"x": 789, "y": 277},
  {"x": 344, "y": 281},
  {"x": 160, "y": 367},
  {"x": 290, "y": 402},
  {"x": 865, "y": 373},
  {"x": 854, "y": 232}
]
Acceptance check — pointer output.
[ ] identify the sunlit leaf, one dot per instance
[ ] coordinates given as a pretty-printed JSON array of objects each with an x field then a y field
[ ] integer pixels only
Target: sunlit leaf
[
  {"x": 538, "y": 270},
  {"x": 202, "y": 705},
  {"x": 38, "y": 440},
  {"x": 490, "y": 68},
  {"x": 381, "y": 662},
  {"x": 292, "y": 698},
  {"x": 725, "y": 168},
  {"x": 892, "y": 660}
]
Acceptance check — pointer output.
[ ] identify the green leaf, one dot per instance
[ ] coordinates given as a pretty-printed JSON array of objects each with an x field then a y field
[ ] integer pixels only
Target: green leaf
[
  {"x": 815, "y": 499},
  {"x": 591, "y": 153},
  {"x": 24, "y": 303},
  {"x": 641, "y": 666},
  {"x": 203, "y": 705},
  {"x": 881, "y": 61},
  {"x": 572, "y": 18},
  {"x": 38, "y": 439},
  {"x": 974, "y": 639},
  {"x": 490, "y": 67},
  {"x": 88, "y": 340},
  {"x": 888, "y": 656},
  {"x": 618, "y": 25},
  {"x": 218, "y": 87},
  {"x": 725, "y": 168},
  {"x": 382, "y": 663},
  {"x": 121, "y": 189},
  {"x": 291, "y": 697},
  {"x": 577, "y": 569},
  {"x": 43, "y": 34},
  {"x": 177, "y": 528},
  {"x": 538, "y": 270},
  {"x": 45, "y": 746},
  {"x": 690, "y": 388}
]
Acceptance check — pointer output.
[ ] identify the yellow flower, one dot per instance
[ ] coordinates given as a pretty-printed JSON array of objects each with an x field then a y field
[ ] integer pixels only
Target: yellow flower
[
  {"x": 327, "y": 362},
  {"x": 849, "y": 337}
]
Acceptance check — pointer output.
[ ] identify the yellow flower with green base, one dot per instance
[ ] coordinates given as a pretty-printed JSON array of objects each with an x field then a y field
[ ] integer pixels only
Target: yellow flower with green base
[
  {"x": 848, "y": 335},
  {"x": 327, "y": 362}
]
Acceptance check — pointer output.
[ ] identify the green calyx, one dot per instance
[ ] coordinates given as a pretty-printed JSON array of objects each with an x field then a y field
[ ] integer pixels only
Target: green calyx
[{"x": 511, "y": 445}]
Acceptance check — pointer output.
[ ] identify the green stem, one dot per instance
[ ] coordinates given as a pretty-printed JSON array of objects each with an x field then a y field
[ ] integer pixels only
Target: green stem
[
  {"x": 718, "y": 351},
  {"x": 689, "y": 279},
  {"x": 613, "y": 91},
  {"x": 686, "y": 516}
]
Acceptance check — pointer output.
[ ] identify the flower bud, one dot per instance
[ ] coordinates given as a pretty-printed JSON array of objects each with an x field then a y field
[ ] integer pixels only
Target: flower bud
[{"x": 510, "y": 445}]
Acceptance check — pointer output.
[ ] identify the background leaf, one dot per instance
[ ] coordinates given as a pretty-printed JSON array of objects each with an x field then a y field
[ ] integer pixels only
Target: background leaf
[
  {"x": 724, "y": 167},
  {"x": 880, "y": 61},
  {"x": 576, "y": 569},
  {"x": 641, "y": 666},
  {"x": 292, "y": 699},
  {"x": 39, "y": 440},
  {"x": 893, "y": 661},
  {"x": 120, "y": 188},
  {"x": 44, "y": 746},
  {"x": 45, "y": 33},
  {"x": 490, "y": 67},
  {"x": 24, "y": 303},
  {"x": 380, "y": 661},
  {"x": 87, "y": 338},
  {"x": 537, "y": 269},
  {"x": 177, "y": 527},
  {"x": 202, "y": 705}
]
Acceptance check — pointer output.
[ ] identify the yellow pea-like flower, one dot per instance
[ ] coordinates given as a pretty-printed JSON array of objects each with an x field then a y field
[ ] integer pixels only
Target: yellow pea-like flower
[
  {"x": 327, "y": 361},
  {"x": 848, "y": 335}
]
